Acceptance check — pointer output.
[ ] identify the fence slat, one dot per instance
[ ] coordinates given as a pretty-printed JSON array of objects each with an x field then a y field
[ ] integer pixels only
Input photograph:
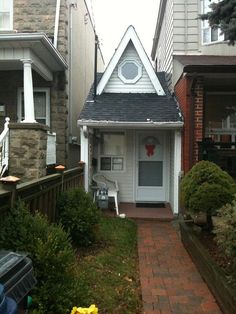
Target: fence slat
[{"x": 42, "y": 194}]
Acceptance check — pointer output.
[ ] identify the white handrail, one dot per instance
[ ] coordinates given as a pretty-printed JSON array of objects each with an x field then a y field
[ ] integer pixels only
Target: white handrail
[{"x": 4, "y": 148}]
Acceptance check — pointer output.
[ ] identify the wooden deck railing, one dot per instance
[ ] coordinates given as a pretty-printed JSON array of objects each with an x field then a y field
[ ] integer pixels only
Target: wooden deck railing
[{"x": 42, "y": 194}]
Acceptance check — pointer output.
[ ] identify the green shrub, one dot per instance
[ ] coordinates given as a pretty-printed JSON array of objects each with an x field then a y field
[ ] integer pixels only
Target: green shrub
[
  {"x": 206, "y": 188},
  {"x": 225, "y": 231},
  {"x": 79, "y": 215},
  {"x": 52, "y": 255}
]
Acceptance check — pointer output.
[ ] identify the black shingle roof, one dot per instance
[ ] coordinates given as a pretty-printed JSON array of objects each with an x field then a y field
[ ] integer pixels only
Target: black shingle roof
[{"x": 132, "y": 107}]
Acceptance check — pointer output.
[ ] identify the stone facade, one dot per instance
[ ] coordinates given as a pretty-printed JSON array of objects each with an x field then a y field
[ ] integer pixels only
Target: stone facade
[
  {"x": 27, "y": 155},
  {"x": 39, "y": 16}
]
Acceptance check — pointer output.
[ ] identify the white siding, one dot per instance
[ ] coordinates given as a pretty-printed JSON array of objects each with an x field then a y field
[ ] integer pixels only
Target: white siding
[
  {"x": 115, "y": 84},
  {"x": 125, "y": 178},
  {"x": 186, "y": 24},
  {"x": 165, "y": 44}
]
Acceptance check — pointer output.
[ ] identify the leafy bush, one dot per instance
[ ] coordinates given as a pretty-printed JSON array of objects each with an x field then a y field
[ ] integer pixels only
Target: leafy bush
[
  {"x": 225, "y": 231},
  {"x": 52, "y": 255},
  {"x": 79, "y": 216},
  {"x": 206, "y": 187}
]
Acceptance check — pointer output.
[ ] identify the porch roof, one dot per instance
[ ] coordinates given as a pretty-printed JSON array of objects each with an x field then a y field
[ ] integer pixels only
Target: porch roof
[
  {"x": 37, "y": 47},
  {"x": 131, "y": 109},
  {"x": 207, "y": 63}
]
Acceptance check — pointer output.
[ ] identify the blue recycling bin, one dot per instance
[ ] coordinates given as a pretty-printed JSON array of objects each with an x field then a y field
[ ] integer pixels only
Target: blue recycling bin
[
  {"x": 16, "y": 280},
  {"x": 7, "y": 305}
]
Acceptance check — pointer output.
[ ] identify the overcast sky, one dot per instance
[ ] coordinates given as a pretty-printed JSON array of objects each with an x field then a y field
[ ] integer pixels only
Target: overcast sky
[{"x": 112, "y": 17}]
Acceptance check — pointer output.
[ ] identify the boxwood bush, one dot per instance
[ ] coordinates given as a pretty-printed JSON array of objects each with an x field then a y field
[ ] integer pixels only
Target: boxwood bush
[
  {"x": 79, "y": 215},
  {"x": 225, "y": 231},
  {"x": 206, "y": 188},
  {"x": 53, "y": 257}
]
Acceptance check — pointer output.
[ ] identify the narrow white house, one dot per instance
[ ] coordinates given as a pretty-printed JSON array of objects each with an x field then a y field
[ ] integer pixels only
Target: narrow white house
[{"x": 131, "y": 128}]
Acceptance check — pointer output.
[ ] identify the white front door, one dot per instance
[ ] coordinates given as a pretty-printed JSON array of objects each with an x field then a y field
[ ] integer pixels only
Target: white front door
[{"x": 150, "y": 167}]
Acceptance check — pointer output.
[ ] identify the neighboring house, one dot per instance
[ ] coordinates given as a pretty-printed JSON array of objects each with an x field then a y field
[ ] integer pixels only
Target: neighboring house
[
  {"x": 47, "y": 60},
  {"x": 201, "y": 71},
  {"x": 131, "y": 128}
]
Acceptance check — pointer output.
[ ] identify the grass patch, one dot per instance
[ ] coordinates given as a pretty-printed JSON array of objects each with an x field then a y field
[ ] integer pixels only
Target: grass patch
[{"x": 108, "y": 272}]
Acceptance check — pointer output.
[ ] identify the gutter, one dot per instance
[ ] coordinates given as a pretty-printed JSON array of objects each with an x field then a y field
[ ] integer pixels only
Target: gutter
[
  {"x": 118, "y": 124},
  {"x": 41, "y": 37}
]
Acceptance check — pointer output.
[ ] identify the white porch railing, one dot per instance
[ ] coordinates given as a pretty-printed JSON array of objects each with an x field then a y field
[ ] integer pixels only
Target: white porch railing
[{"x": 4, "y": 148}]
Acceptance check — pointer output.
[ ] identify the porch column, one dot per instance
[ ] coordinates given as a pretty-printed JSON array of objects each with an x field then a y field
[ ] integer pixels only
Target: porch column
[
  {"x": 177, "y": 169},
  {"x": 84, "y": 154},
  {"x": 28, "y": 92}
]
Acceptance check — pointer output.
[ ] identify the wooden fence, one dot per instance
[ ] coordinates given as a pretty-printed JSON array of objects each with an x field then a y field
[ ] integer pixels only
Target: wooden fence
[{"x": 41, "y": 194}]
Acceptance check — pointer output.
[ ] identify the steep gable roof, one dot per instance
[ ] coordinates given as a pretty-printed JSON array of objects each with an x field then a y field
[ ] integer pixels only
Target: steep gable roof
[{"x": 130, "y": 35}]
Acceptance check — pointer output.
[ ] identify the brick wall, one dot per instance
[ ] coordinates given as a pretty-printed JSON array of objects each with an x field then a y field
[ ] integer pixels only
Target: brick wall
[
  {"x": 198, "y": 115},
  {"x": 189, "y": 92}
]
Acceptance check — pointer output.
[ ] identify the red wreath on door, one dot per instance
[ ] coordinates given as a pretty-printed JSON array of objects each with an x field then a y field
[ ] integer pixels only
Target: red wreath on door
[{"x": 150, "y": 143}]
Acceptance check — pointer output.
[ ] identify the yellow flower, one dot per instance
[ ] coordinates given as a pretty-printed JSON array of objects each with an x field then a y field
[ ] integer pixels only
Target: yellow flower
[{"x": 82, "y": 310}]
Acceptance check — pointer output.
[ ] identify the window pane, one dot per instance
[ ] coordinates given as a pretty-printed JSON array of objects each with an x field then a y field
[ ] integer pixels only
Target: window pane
[
  {"x": 5, "y": 6},
  {"x": 214, "y": 34},
  {"x": 150, "y": 173},
  {"x": 206, "y": 35},
  {"x": 117, "y": 164},
  {"x": 4, "y": 20},
  {"x": 40, "y": 105},
  {"x": 129, "y": 70},
  {"x": 105, "y": 163},
  {"x": 112, "y": 144}
]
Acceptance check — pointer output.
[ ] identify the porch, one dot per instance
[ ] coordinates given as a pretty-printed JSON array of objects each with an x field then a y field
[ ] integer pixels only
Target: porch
[{"x": 160, "y": 212}]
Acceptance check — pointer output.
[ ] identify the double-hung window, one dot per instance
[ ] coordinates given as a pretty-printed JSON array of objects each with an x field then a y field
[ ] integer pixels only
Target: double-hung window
[
  {"x": 6, "y": 15},
  {"x": 112, "y": 151},
  {"x": 41, "y": 105},
  {"x": 210, "y": 34}
]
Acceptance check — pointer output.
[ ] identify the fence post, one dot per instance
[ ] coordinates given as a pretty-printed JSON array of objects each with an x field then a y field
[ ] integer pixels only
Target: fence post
[
  {"x": 60, "y": 169},
  {"x": 9, "y": 184}
]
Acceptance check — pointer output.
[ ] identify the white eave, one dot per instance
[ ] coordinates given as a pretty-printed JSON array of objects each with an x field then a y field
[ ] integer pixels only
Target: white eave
[
  {"x": 119, "y": 124},
  {"x": 14, "y": 47}
]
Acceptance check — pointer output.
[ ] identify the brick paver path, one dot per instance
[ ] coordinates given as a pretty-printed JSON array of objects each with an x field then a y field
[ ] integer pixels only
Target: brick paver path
[{"x": 170, "y": 281}]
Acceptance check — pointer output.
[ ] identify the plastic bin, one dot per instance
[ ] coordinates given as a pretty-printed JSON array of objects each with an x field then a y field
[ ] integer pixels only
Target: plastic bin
[
  {"x": 7, "y": 305},
  {"x": 16, "y": 275},
  {"x": 102, "y": 198}
]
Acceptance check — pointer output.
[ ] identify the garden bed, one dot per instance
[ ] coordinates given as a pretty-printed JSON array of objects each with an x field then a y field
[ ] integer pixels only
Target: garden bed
[{"x": 214, "y": 275}]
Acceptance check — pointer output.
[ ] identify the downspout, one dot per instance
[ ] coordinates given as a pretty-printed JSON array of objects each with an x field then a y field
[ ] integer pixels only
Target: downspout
[
  {"x": 192, "y": 120},
  {"x": 95, "y": 67},
  {"x": 56, "y": 27}
]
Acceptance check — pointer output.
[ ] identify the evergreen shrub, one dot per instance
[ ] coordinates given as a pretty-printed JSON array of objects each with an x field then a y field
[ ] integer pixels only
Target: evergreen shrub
[
  {"x": 206, "y": 188},
  {"x": 79, "y": 215},
  {"x": 53, "y": 258}
]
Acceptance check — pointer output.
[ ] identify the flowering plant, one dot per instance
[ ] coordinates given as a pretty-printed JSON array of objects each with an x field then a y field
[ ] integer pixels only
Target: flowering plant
[{"x": 82, "y": 310}]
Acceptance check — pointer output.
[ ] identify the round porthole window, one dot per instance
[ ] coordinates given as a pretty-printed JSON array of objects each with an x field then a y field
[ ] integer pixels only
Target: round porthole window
[{"x": 129, "y": 71}]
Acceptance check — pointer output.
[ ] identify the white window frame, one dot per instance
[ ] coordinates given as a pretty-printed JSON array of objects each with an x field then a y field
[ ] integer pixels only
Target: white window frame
[
  {"x": 112, "y": 156},
  {"x": 36, "y": 89},
  {"x": 137, "y": 77},
  {"x": 206, "y": 27},
  {"x": 11, "y": 16}
]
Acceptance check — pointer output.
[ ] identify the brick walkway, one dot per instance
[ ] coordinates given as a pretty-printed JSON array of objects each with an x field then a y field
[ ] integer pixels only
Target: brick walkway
[{"x": 170, "y": 281}]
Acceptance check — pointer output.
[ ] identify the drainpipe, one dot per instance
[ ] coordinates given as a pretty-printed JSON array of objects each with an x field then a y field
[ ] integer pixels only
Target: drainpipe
[
  {"x": 56, "y": 27},
  {"x": 192, "y": 119},
  {"x": 95, "y": 67}
]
